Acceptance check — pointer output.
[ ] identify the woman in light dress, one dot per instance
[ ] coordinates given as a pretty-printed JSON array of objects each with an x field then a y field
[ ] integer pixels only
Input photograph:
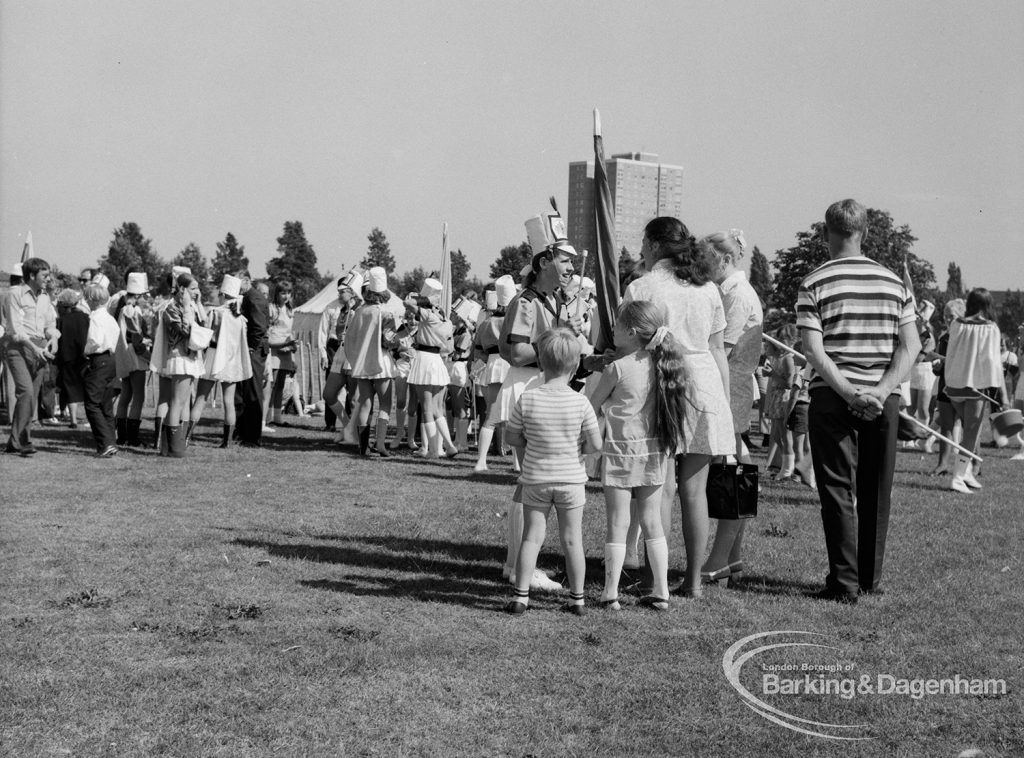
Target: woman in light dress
[{"x": 679, "y": 278}]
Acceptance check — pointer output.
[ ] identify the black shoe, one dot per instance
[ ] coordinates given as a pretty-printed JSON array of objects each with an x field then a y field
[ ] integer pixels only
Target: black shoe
[
  {"x": 109, "y": 452},
  {"x": 516, "y": 608},
  {"x": 574, "y": 609},
  {"x": 836, "y": 595},
  {"x": 26, "y": 451}
]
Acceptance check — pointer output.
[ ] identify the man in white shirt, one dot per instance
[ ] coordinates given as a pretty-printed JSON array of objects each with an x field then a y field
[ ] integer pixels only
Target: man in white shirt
[{"x": 30, "y": 340}]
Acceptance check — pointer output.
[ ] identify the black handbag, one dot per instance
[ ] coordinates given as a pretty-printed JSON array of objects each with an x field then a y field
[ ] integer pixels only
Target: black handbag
[{"x": 732, "y": 490}]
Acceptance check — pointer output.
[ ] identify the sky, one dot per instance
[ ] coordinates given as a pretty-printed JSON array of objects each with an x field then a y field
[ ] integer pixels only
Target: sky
[{"x": 194, "y": 119}]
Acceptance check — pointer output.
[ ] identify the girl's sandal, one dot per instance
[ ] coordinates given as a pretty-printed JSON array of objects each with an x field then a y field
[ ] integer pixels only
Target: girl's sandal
[{"x": 653, "y": 602}]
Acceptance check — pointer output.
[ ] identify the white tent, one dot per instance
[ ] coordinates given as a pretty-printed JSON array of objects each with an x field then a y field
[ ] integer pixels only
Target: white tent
[{"x": 309, "y": 327}]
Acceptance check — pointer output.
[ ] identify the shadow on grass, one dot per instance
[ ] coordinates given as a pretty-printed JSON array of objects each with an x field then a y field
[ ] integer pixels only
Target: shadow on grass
[
  {"x": 759, "y": 584},
  {"x": 448, "y": 572}
]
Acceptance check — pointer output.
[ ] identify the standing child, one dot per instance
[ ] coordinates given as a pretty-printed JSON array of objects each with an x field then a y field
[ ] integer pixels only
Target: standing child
[
  {"x": 779, "y": 401},
  {"x": 547, "y": 426},
  {"x": 643, "y": 424},
  {"x": 100, "y": 343}
]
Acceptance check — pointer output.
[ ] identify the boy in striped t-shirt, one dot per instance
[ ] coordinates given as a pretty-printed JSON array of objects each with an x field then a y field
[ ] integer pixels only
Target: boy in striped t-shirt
[
  {"x": 858, "y": 326},
  {"x": 553, "y": 422}
]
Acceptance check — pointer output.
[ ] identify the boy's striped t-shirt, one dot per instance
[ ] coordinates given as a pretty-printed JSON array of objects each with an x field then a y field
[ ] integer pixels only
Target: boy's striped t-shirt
[
  {"x": 555, "y": 420},
  {"x": 859, "y": 306}
]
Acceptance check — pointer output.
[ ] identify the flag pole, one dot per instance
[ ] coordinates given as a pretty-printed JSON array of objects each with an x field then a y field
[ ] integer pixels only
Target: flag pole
[{"x": 903, "y": 414}]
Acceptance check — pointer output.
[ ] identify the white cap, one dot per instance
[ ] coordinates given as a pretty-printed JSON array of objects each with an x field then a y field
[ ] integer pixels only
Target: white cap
[
  {"x": 138, "y": 283},
  {"x": 353, "y": 280},
  {"x": 505, "y": 290},
  {"x": 231, "y": 286},
  {"x": 431, "y": 289},
  {"x": 377, "y": 279},
  {"x": 16, "y": 269},
  {"x": 102, "y": 280},
  {"x": 491, "y": 300},
  {"x": 179, "y": 270}
]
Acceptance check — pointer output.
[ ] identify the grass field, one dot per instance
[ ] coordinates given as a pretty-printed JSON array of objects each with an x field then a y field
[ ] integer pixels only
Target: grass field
[{"x": 299, "y": 600}]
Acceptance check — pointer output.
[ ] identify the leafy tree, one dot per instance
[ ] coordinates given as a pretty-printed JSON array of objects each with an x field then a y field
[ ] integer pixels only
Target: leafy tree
[
  {"x": 130, "y": 252},
  {"x": 760, "y": 275},
  {"x": 1011, "y": 313},
  {"x": 884, "y": 242},
  {"x": 296, "y": 263},
  {"x": 460, "y": 270},
  {"x": 511, "y": 260},
  {"x": 410, "y": 281},
  {"x": 194, "y": 259},
  {"x": 955, "y": 282},
  {"x": 229, "y": 258},
  {"x": 62, "y": 280},
  {"x": 379, "y": 252}
]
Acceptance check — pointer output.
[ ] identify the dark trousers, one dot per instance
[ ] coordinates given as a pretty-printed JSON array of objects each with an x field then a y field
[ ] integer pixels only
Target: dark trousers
[
  {"x": 330, "y": 419},
  {"x": 47, "y": 391},
  {"x": 27, "y": 373},
  {"x": 854, "y": 462},
  {"x": 99, "y": 399},
  {"x": 249, "y": 401}
]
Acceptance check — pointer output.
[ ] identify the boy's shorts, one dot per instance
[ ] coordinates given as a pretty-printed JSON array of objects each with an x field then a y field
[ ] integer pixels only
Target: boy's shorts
[
  {"x": 562, "y": 496},
  {"x": 797, "y": 422}
]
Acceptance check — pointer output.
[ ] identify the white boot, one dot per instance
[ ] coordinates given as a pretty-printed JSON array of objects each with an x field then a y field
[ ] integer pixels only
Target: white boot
[
  {"x": 969, "y": 479},
  {"x": 957, "y": 483}
]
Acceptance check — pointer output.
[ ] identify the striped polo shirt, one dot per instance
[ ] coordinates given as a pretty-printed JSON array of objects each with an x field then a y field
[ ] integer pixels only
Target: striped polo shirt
[
  {"x": 859, "y": 306},
  {"x": 554, "y": 420}
]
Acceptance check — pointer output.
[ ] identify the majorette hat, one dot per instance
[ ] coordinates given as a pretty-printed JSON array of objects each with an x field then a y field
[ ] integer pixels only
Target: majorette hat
[
  {"x": 431, "y": 289},
  {"x": 377, "y": 279},
  {"x": 547, "y": 231},
  {"x": 491, "y": 300},
  {"x": 353, "y": 280},
  {"x": 138, "y": 283},
  {"x": 504, "y": 290},
  {"x": 102, "y": 280},
  {"x": 179, "y": 270},
  {"x": 231, "y": 286}
]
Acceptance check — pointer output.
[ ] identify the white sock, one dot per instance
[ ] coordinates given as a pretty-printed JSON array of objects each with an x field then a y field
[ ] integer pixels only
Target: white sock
[
  {"x": 614, "y": 555},
  {"x": 484, "y": 438},
  {"x": 657, "y": 556}
]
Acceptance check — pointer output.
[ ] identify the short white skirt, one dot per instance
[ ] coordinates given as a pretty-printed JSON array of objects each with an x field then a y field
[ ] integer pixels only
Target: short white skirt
[
  {"x": 458, "y": 374},
  {"x": 921, "y": 376},
  {"x": 179, "y": 365},
  {"x": 517, "y": 381},
  {"x": 496, "y": 370},
  {"x": 428, "y": 370}
]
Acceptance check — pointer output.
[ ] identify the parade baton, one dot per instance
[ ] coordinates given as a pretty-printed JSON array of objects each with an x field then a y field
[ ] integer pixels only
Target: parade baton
[
  {"x": 579, "y": 295},
  {"x": 903, "y": 414}
]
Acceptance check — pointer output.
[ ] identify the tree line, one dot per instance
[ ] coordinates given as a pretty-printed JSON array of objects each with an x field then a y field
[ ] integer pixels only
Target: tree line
[{"x": 776, "y": 281}]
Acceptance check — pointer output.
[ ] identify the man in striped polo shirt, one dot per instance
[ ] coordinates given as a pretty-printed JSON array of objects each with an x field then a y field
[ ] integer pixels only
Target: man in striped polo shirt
[{"x": 859, "y": 333}]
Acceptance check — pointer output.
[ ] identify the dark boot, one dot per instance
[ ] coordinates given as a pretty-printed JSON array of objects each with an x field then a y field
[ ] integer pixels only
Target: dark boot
[
  {"x": 121, "y": 425},
  {"x": 134, "y": 427},
  {"x": 364, "y": 439},
  {"x": 226, "y": 439},
  {"x": 175, "y": 436}
]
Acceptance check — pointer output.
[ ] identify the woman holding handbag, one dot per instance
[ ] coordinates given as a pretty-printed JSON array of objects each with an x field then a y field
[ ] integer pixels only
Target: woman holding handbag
[{"x": 679, "y": 277}]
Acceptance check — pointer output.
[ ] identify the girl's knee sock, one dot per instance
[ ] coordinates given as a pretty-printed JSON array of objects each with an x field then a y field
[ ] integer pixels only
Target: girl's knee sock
[
  {"x": 483, "y": 444},
  {"x": 614, "y": 555},
  {"x": 633, "y": 544},
  {"x": 657, "y": 556}
]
